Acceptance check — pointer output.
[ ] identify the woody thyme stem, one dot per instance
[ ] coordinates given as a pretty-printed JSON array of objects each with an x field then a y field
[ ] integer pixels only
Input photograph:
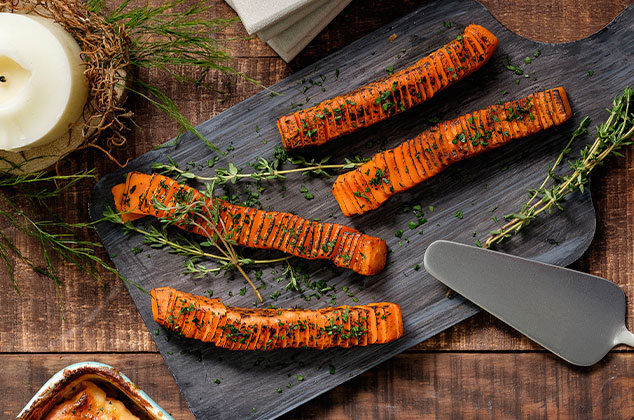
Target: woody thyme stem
[{"x": 616, "y": 132}]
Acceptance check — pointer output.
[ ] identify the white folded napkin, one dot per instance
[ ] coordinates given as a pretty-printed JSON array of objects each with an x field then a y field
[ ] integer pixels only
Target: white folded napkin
[
  {"x": 261, "y": 14},
  {"x": 287, "y": 25},
  {"x": 293, "y": 40}
]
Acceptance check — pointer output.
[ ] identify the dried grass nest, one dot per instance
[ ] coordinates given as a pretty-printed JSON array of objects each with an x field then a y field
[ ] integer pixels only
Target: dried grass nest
[{"x": 106, "y": 55}]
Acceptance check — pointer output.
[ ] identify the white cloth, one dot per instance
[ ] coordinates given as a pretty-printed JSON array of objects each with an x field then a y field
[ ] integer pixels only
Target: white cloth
[{"x": 287, "y": 26}]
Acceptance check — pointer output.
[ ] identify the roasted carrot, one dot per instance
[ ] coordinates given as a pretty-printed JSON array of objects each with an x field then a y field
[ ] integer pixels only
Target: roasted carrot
[
  {"x": 232, "y": 328},
  {"x": 390, "y": 95},
  {"x": 429, "y": 153},
  {"x": 160, "y": 196}
]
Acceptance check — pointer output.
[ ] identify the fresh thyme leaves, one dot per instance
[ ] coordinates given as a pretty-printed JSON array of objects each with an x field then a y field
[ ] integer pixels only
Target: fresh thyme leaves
[
  {"x": 616, "y": 132},
  {"x": 515, "y": 69},
  {"x": 384, "y": 99},
  {"x": 193, "y": 213},
  {"x": 307, "y": 194},
  {"x": 264, "y": 169},
  {"x": 293, "y": 278}
]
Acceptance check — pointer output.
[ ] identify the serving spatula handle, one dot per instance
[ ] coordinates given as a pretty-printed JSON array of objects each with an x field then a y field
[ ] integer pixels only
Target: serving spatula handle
[{"x": 624, "y": 337}]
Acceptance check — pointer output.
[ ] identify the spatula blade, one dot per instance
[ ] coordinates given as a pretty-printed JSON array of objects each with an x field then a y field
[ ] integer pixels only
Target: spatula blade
[{"x": 575, "y": 315}]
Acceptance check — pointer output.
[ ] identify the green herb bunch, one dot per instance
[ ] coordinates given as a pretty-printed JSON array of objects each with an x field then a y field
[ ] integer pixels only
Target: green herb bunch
[
  {"x": 22, "y": 198},
  {"x": 115, "y": 41},
  {"x": 192, "y": 213},
  {"x": 168, "y": 37},
  {"x": 614, "y": 134},
  {"x": 197, "y": 252},
  {"x": 264, "y": 169}
]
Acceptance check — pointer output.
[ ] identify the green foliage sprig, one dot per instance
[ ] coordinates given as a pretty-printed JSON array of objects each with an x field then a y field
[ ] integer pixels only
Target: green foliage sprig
[
  {"x": 168, "y": 37},
  {"x": 20, "y": 196},
  {"x": 217, "y": 237},
  {"x": 264, "y": 169},
  {"x": 615, "y": 133}
]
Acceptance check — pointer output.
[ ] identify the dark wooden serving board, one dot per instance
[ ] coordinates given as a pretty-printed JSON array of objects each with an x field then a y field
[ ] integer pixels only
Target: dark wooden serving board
[{"x": 491, "y": 185}]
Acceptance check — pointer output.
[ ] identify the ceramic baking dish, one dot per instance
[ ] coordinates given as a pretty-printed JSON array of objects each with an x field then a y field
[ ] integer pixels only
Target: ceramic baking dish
[{"x": 113, "y": 382}]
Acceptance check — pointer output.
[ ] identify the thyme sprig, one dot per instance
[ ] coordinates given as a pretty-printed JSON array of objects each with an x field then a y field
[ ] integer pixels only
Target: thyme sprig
[
  {"x": 615, "y": 133},
  {"x": 264, "y": 169},
  {"x": 158, "y": 238},
  {"x": 41, "y": 185},
  {"x": 196, "y": 214}
]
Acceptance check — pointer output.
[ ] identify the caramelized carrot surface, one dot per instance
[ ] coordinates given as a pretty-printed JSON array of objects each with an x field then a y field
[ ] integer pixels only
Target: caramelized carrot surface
[
  {"x": 160, "y": 196},
  {"x": 390, "y": 95},
  {"x": 395, "y": 170},
  {"x": 232, "y": 328}
]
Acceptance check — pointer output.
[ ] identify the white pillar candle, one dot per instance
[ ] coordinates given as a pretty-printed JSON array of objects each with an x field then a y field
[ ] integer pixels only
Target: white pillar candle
[{"x": 43, "y": 89}]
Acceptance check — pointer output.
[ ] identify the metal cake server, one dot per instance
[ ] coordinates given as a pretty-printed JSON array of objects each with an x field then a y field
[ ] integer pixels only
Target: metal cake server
[{"x": 577, "y": 316}]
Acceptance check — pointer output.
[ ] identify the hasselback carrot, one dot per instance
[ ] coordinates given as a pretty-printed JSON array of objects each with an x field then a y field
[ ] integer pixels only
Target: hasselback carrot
[
  {"x": 160, "y": 196},
  {"x": 209, "y": 320},
  {"x": 422, "y": 157},
  {"x": 390, "y": 95}
]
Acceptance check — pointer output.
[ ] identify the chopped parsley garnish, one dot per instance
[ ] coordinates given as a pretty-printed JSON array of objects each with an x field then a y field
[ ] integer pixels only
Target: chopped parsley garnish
[{"x": 307, "y": 195}]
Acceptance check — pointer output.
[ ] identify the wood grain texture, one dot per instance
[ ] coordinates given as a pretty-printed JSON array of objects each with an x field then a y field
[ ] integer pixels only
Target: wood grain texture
[
  {"x": 23, "y": 375},
  {"x": 414, "y": 385},
  {"x": 474, "y": 187},
  {"x": 116, "y": 325},
  {"x": 481, "y": 386},
  {"x": 114, "y": 330}
]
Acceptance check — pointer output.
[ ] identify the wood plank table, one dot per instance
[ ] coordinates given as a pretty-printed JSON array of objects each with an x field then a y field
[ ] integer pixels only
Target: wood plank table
[{"x": 477, "y": 369}]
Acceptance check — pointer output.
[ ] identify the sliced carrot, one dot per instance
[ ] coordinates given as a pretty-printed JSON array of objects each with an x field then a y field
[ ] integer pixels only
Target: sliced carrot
[
  {"x": 362, "y": 325},
  {"x": 368, "y": 175},
  {"x": 441, "y": 62},
  {"x": 381, "y": 325},
  {"x": 403, "y": 170},
  {"x": 448, "y": 142}
]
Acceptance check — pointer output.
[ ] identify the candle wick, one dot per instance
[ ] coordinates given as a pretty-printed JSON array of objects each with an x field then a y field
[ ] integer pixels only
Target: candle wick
[{"x": 3, "y": 79}]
